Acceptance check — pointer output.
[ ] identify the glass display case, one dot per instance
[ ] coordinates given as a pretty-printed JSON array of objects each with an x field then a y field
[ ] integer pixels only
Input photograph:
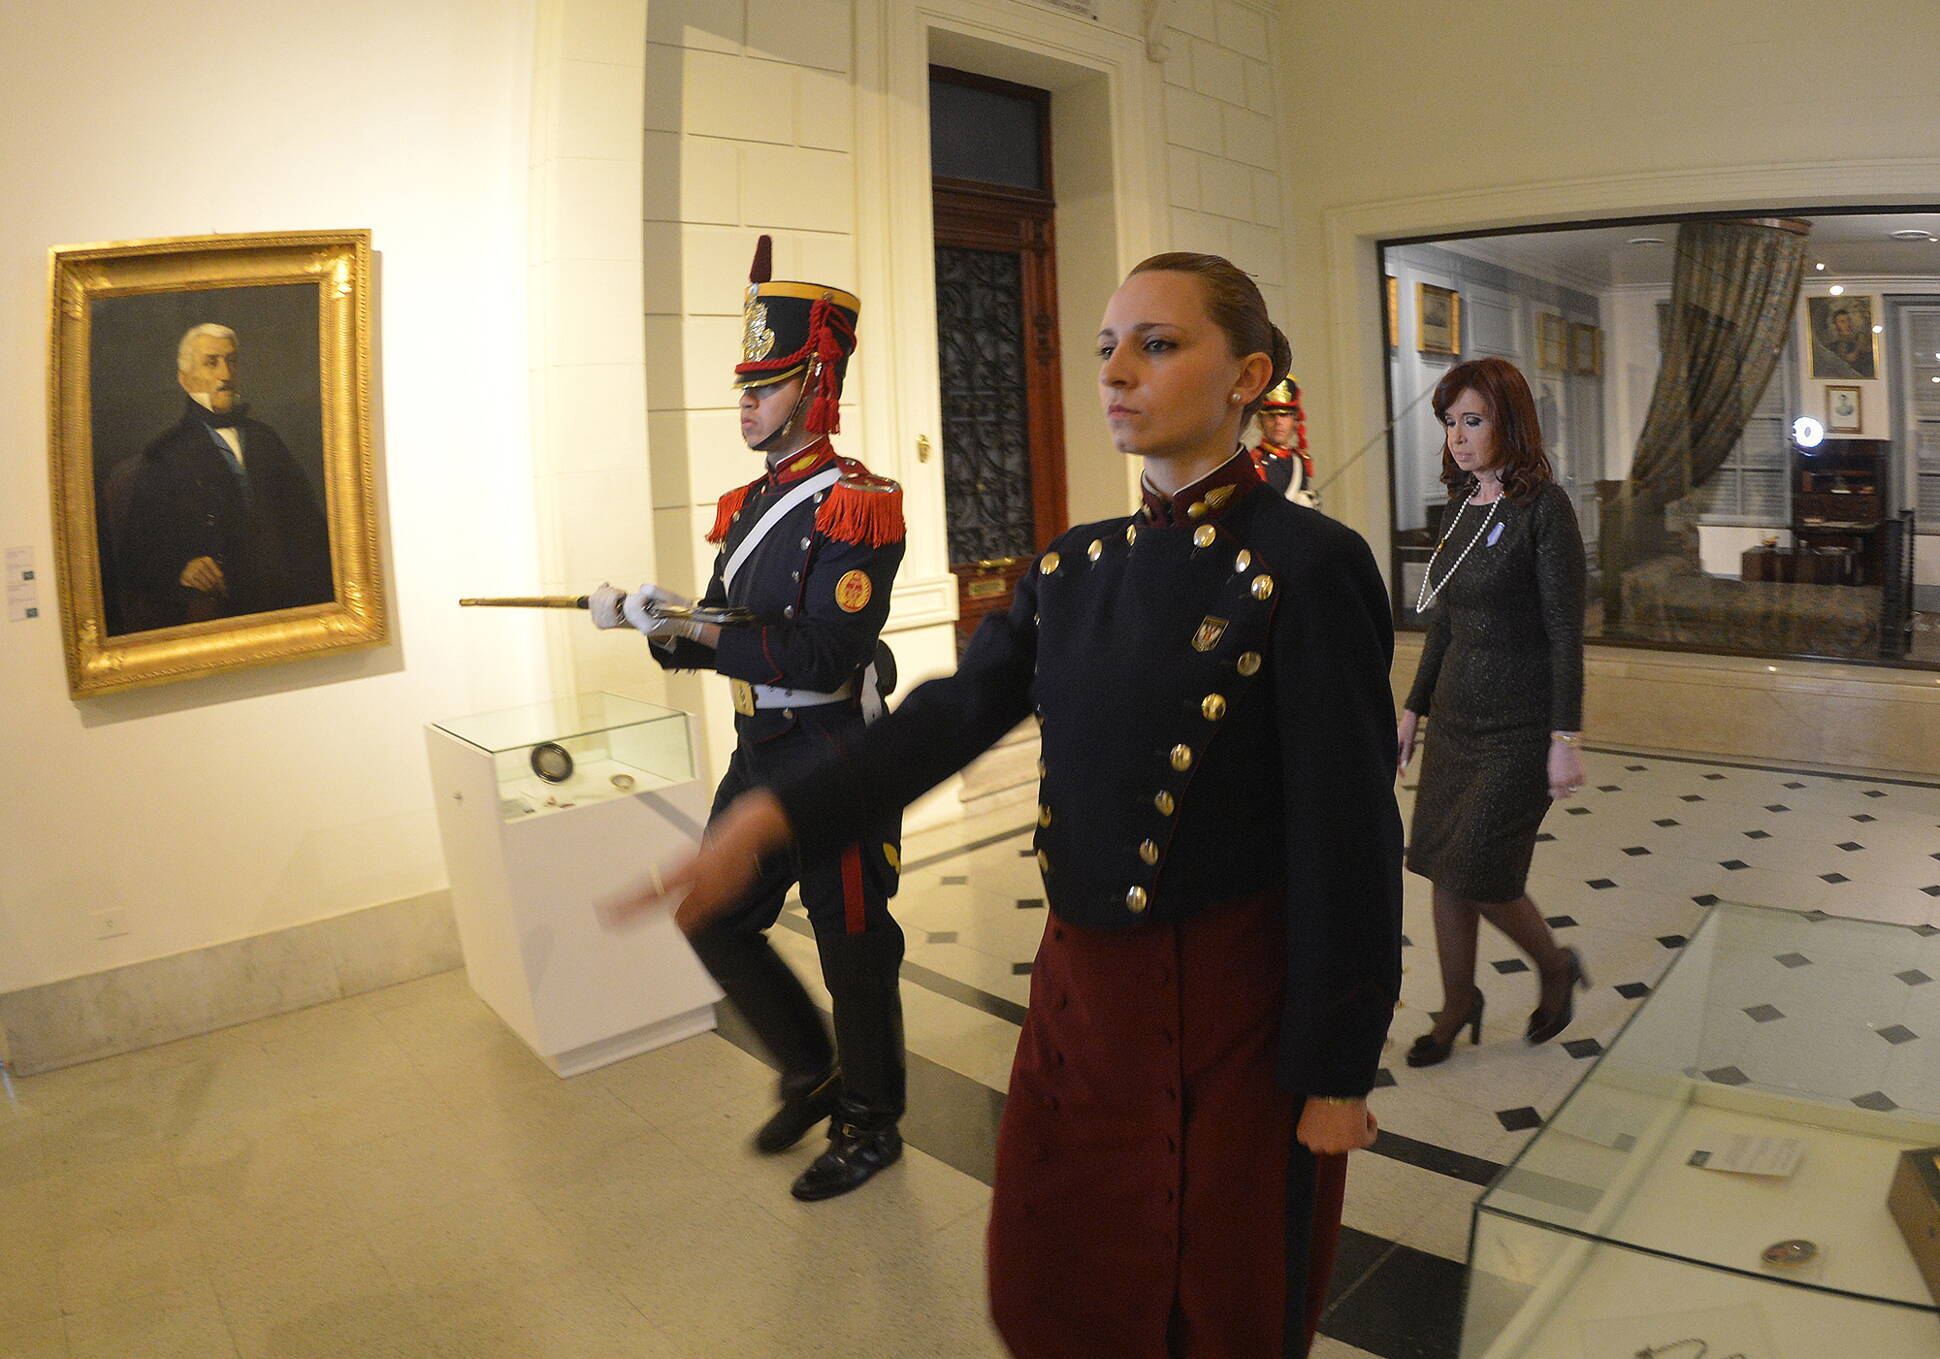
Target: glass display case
[
  {"x": 1717, "y": 1184},
  {"x": 571, "y": 751},
  {"x": 546, "y": 812}
]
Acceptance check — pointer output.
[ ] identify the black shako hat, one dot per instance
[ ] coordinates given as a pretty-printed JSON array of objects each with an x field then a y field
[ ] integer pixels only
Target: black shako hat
[{"x": 789, "y": 328}]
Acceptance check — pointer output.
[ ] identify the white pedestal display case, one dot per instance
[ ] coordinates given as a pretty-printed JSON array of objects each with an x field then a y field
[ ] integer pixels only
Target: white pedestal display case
[
  {"x": 544, "y": 811},
  {"x": 1775, "y": 1035}
]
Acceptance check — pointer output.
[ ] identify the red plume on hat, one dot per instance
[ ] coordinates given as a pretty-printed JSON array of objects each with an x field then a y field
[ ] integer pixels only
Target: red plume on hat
[{"x": 827, "y": 337}]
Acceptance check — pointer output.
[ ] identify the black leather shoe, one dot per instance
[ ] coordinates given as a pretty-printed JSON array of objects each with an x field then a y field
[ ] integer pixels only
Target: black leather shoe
[
  {"x": 1427, "y": 1052},
  {"x": 798, "y": 1115},
  {"x": 1543, "y": 1027},
  {"x": 853, "y": 1156}
]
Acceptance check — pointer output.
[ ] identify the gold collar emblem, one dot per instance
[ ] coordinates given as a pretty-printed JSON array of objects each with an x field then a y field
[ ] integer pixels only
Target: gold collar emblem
[
  {"x": 757, "y": 341},
  {"x": 1210, "y": 631}
]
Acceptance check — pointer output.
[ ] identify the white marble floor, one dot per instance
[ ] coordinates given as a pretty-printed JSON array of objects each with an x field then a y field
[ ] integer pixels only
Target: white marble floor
[{"x": 393, "y": 1175}]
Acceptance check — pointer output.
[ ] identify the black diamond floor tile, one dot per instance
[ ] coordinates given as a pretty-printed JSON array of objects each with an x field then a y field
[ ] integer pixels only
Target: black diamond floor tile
[
  {"x": 1758, "y": 835},
  {"x": 1933, "y": 891},
  {"x": 1020, "y": 969},
  {"x": 1727, "y": 1075},
  {"x": 1834, "y": 878},
  {"x": 1544, "y": 837},
  {"x": 1733, "y": 864},
  {"x": 1913, "y": 977},
  {"x": 1582, "y": 1047},
  {"x": 1635, "y": 851},
  {"x": 1672, "y": 940},
  {"x": 1691, "y": 797},
  {"x": 1600, "y": 884},
  {"x": 1030, "y": 903},
  {"x": 1579, "y": 811},
  {"x": 1897, "y": 1034},
  {"x": 1792, "y": 960},
  {"x": 1510, "y": 966},
  {"x": 1668, "y": 821},
  {"x": 1609, "y": 788},
  {"x": 1795, "y": 785},
  {"x": 1874, "y": 792},
  {"x": 1383, "y": 1078},
  {"x": 1878, "y": 1101},
  {"x": 1706, "y": 899},
  {"x": 1633, "y": 990},
  {"x": 1516, "y": 1120},
  {"x": 1635, "y": 768},
  {"x": 1713, "y": 777},
  {"x": 1406, "y": 942},
  {"x": 1560, "y": 922},
  {"x": 1862, "y": 817},
  {"x": 1925, "y": 931},
  {"x": 1764, "y": 1014},
  {"x": 1849, "y": 845},
  {"x": 1776, "y": 807}
]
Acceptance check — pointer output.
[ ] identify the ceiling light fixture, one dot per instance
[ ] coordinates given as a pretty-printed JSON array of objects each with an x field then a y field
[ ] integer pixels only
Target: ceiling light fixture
[
  {"x": 1837, "y": 290},
  {"x": 1911, "y": 234},
  {"x": 1879, "y": 330},
  {"x": 1820, "y": 266},
  {"x": 1645, "y": 240}
]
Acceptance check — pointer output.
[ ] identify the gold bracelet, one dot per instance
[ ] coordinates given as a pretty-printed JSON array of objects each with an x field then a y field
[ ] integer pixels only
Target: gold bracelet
[{"x": 1572, "y": 739}]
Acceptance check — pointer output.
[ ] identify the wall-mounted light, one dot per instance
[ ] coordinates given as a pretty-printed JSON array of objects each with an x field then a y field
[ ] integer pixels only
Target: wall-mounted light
[
  {"x": 1645, "y": 240},
  {"x": 1911, "y": 234},
  {"x": 1879, "y": 330},
  {"x": 1809, "y": 433},
  {"x": 1837, "y": 289}
]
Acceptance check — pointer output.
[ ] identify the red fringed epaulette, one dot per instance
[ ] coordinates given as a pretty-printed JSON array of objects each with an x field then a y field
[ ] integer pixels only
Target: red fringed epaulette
[
  {"x": 724, "y": 512},
  {"x": 862, "y": 508}
]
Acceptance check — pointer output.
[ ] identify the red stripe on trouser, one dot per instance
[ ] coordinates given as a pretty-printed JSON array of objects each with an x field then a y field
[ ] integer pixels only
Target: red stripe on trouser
[{"x": 852, "y": 904}]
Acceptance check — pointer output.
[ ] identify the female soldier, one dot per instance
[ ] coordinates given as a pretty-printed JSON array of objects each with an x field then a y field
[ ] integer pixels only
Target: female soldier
[{"x": 1221, "y": 855}]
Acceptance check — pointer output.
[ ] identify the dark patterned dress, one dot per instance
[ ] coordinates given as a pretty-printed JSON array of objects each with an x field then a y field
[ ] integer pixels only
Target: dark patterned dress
[{"x": 1501, "y": 668}]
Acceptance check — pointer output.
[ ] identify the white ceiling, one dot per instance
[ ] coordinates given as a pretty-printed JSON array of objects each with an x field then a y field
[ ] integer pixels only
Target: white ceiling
[{"x": 1596, "y": 258}]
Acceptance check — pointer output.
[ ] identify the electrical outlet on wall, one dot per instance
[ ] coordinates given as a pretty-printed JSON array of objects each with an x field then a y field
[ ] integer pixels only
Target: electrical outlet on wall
[{"x": 110, "y": 924}]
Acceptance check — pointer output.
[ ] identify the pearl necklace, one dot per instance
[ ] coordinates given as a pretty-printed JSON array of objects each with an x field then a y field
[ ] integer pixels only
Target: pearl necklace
[{"x": 1428, "y": 596}]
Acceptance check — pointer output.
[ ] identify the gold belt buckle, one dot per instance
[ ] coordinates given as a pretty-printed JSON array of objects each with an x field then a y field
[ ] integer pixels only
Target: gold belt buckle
[{"x": 743, "y": 696}]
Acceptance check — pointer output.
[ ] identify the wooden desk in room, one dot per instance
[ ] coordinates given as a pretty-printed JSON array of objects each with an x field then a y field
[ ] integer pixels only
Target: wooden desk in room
[{"x": 1798, "y": 566}]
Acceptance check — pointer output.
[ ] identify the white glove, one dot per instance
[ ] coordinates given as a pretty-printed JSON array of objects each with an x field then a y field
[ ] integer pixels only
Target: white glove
[
  {"x": 604, "y": 604},
  {"x": 649, "y": 596}
]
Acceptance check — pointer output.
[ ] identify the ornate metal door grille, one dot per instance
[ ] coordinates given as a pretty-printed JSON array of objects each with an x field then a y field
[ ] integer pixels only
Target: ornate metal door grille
[{"x": 986, "y": 404}]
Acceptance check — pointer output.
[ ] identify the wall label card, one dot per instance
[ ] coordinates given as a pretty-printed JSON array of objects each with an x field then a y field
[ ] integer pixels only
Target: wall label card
[{"x": 1774, "y": 1156}]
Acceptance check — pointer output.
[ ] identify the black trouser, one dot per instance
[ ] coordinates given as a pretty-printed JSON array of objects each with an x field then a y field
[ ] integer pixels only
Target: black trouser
[{"x": 847, "y": 898}]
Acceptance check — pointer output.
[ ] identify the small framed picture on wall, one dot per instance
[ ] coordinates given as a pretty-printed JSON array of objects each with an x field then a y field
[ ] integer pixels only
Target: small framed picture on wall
[
  {"x": 1438, "y": 320},
  {"x": 1842, "y": 411},
  {"x": 1552, "y": 343},
  {"x": 1586, "y": 350}
]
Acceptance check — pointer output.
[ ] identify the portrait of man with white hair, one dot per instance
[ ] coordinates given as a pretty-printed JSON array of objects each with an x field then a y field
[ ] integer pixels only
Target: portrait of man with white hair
[{"x": 214, "y": 518}]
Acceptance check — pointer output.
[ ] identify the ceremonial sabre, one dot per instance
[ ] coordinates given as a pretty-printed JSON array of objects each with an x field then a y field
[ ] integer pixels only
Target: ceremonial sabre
[{"x": 730, "y": 617}]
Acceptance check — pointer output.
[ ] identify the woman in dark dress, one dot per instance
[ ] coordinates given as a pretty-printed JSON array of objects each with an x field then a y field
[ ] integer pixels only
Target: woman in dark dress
[
  {"x": 1502, "y": 673},
  {"x": 1221, "y": 857}
]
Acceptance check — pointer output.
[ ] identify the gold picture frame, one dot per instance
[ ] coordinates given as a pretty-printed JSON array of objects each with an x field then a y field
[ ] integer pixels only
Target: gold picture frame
[
  {"x": 209, "y": 400},
  {"x": 1438, "y": 320},
  {"x": 1844, "y": 409},
  {"x": 1552, "y": 343},
  {"x": 1585, "y": 350},
  {"x": 1393, "y": 312}
]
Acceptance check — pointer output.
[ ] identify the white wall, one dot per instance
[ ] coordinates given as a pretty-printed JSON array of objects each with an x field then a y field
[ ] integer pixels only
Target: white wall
[{"x": 227, "y": 807}]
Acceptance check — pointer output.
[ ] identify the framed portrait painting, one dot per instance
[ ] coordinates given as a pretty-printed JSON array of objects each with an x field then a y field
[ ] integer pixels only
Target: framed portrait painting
[
  {"x": 209, "y": 412},
  {"x": 1552, "y": 342},
  {"x": 1843, "y": 342},
  {"x": 1585, "y": 350},
  {"x": 1438, "y": 320},
  {"x": 1843, "y": 410}
]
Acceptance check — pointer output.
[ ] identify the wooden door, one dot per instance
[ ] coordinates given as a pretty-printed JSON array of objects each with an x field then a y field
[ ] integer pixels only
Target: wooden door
[{"x": 997, "y": 359}]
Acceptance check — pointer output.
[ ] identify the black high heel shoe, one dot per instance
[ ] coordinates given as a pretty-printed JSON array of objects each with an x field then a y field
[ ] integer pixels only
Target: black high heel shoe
[
  {"x": 1543, "y": 1027},
  {"x": 1428, "y": 1052}
]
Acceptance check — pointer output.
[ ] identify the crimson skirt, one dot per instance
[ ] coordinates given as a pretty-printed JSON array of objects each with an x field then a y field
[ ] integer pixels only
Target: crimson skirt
[{"x": 1151, "y": 1201}]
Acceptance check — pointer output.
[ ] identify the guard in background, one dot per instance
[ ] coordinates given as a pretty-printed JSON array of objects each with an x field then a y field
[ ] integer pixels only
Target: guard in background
[
  {"x": 811, "y": 547},
  {"x": 1281, "y": 454}
]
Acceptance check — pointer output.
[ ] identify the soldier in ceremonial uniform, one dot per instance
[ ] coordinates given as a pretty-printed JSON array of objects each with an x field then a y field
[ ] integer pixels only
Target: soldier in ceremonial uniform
[
  {"x": 1221, "y": 856},
  {"x": 1281, "y": 454},
  {"x": 811, "y": 547}
]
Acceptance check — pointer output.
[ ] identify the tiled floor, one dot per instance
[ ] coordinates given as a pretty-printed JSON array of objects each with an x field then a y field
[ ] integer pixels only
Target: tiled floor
[{"x": 394, "y": 1175}]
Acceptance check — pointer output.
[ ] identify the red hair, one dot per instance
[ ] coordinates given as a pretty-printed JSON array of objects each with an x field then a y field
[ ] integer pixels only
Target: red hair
[{"x": 1512, "y": 411}]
